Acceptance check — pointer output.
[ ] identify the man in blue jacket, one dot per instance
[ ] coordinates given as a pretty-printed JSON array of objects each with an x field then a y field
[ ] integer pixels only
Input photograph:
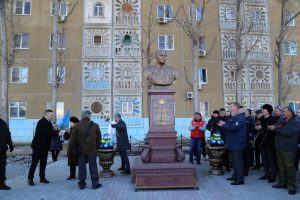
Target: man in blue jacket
[{"x": 236, "y": 141}]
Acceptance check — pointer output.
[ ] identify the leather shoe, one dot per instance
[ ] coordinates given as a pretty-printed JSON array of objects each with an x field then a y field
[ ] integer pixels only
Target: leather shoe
[
  {"x": 125, "y": 173},
  {"x": 237, "y": 183},
  {"x": 278, "y": 186},
  {"x": 231, "y": 179},
  {"x": 44, "y": 180},
  {"x": 264, "y": 177},
  {"x": 272, "y": 180},
  {"x": 30, "y": 182},
  {"x": 292, "y": 192},
  {"x": 81, "y": 187},
  {"x": 121, "y": 169},
  {"x": 97, "y": 186},
  {"x": 70, "y": 178},
  {"x": 4, "y": 187}
]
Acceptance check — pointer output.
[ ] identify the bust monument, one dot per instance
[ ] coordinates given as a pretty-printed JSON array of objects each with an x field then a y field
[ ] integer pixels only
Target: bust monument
[{"x": 160, "y": 75}]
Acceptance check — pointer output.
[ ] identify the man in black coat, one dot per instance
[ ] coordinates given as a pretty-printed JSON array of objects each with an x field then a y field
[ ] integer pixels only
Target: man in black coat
[
  {"x": 40, "y": 146},
  {"x": 267, "y": 144},
  {"x": 122, "y": 143},
  {"x": 5, "y": 142}
]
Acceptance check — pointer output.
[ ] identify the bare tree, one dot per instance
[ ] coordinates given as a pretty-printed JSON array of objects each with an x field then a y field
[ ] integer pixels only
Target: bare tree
[
  {"x": 58, "y": 38},
  {"x": 4, "y": 68},
  {"x": 8, "y": 24},
  {"x": 192, "y": 29},
  {"x": 243, "y": 30},
  {"x": 279, "y": 53},
  {"x": 147, "y": 30},
  {"x": 239, "y": 60}
]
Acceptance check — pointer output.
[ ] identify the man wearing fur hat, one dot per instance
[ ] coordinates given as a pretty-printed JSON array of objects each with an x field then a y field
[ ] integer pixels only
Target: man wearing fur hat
[
  {"x": 267, "y": 144},
  {"x": 286, "y": 143}
]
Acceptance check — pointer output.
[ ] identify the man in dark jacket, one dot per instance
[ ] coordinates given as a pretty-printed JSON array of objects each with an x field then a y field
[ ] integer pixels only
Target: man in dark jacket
[
  {"x": 267, "y": 144},
  {"x": 222, "y": 117},
  {"x": 5, "y": 143},
  {"x": 122, "y": 143},
  {"x": 286, "y": 143},
  {"x": 86, "y": 139},
  {"x": 236, "y": 141},
  {"x": 40, "y": 146}
]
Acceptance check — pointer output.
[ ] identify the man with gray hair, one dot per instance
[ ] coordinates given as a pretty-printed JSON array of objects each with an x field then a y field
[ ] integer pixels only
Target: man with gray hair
[{"x": 86, "y": 139}]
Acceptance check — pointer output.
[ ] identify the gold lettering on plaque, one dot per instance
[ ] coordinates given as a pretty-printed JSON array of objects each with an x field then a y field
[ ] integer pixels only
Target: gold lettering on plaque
[{"x": 162, "y": 112}]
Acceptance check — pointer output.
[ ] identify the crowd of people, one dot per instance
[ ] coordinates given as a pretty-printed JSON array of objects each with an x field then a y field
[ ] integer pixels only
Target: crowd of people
[
  {"x": 266, "y": 137},
  {"x": 84, "y": 138}
]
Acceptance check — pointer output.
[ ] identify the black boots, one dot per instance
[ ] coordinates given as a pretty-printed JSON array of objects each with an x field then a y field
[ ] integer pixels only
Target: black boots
[{"x": 4, "y": 187}]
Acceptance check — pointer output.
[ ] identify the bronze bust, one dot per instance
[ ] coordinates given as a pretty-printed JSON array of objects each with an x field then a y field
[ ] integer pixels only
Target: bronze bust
[{"x": 160, "y": 75}]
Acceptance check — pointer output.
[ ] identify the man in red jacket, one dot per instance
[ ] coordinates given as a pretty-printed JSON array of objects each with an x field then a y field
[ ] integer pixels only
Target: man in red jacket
[{"x": 197, "y": 128}]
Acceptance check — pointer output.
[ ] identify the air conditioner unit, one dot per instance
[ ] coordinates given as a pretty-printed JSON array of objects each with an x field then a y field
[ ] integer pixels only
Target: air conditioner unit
[
  {"x": 189, "y": 95},
  {"x": 199, "y": 86},
  {"x": 162, "y": 20},
  {"x": 202, "y": 52}
]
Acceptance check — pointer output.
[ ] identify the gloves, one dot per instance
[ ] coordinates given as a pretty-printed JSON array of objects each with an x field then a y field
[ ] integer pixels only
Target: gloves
[{"x": 11, "y": 148}]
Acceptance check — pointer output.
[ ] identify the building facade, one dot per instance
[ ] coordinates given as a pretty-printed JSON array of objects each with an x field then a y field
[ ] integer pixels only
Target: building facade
[{"x": 105, "y": 44}]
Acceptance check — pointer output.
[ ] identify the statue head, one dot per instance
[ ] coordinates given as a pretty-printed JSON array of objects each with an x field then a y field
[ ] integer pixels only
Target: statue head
[{"x": 161, "y": 57}]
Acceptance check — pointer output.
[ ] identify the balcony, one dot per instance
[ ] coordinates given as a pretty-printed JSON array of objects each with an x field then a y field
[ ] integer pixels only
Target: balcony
[
  {"x": 228, "y": 24},
  {"x": 259, "y": 55},
  {"x": 259, "y": 87},
  {"x": 231, "y": 86},
  {"x": 97, "y": 51},
  {"x": 257, "y": 1},
  {"x": 128, "y": 51},
  {"x": 127, "y": 85},
  {"x": 229, "y": 54},
  {"x": 259, "y": 26},
  {"x": 127, "y": 20},
  {"x": 96, "y": 85}
]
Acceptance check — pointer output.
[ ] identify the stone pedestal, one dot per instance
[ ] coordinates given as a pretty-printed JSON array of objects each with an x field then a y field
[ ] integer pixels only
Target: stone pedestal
[{"x": 163, "y": 163}]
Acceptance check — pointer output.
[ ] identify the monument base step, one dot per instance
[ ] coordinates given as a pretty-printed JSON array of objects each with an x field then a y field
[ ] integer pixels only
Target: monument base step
[{"x": 164, "y": 175}]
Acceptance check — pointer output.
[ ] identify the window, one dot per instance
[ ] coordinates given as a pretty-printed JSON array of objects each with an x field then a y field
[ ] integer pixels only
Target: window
[
  {"x": 256, "y": 16},
  {"x": 98, "y": 10},
  {"x": 59, "y": 109},
  {"x": 204, "y": 108},
  {"x": 293, "y": 78},
  {"x": 202, "y": 43},
  {"x": 166, "y": 42},
  {"x": 199, "y": 13},
  {"x": 97, "y": 39},
  {"x": 232, "y": 44},
  {"x": 202, "y": 76},
  {"x": 230, "y": 14},
  {"x": 295, "y": 105},
  {"x": 21, "y": 40},
  {"x": 61, "y": 41},
  {"x": 17, "y": 109},
  {"x": 290, "y": 47},
  {"x": 22, "y": 7},
  {"x": 292, "y": 22},
  {"x": 19, "y": 74},
  {"x": 127, "y": 108},
  {"x": 165, "y": 11},
  {"x": 61, "y": 73},
  {"x": 63, "y": 9}
]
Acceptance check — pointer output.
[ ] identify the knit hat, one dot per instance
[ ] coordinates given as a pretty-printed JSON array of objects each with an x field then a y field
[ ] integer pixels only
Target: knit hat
[
  {"x": 74, "y": 119},
  {"x": 258, "y": 111},
  {"x": 268, "y": 107},
  {"x": 291, "y": 109}
]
